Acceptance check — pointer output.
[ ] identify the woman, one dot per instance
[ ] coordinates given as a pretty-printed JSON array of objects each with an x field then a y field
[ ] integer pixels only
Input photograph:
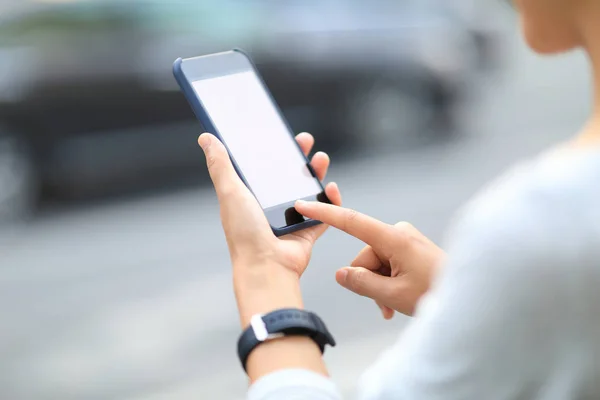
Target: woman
[{"x": 511, "y": 311}]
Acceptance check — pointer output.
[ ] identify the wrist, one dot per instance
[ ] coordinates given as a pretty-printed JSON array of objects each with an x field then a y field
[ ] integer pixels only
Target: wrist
[
  {"x": 262, "y": 289},
  {"x": 289, "y": 352},
  {"x": 285, "y": 338}
]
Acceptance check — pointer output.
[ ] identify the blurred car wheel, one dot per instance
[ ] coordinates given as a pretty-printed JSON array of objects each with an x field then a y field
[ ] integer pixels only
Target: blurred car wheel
[
  {"x": 18, "y": 183},
  {"x": 389, "y": 112}
]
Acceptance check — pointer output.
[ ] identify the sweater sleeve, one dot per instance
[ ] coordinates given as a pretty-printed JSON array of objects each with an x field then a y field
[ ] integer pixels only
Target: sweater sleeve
[
  {"x": 294, "y": 384},
  {"x": 497, "y": 322},
  {"x": 494, "y": 326}
]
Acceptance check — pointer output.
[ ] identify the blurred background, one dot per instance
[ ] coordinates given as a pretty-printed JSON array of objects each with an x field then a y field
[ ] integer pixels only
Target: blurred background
[{"x": 114, "y": 273}]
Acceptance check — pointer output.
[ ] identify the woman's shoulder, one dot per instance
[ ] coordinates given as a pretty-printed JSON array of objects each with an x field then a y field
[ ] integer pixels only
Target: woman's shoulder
[{"x": 550, "y": 202}]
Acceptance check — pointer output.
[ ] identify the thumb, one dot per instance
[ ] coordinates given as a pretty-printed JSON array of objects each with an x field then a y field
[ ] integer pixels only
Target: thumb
[
  {"x": 365, "y": 283},
  {"x": 223, "y": 175}
]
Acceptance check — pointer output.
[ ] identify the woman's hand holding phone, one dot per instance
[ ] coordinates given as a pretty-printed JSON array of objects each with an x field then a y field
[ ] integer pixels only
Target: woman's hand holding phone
[{"x": 266, "y": 269}]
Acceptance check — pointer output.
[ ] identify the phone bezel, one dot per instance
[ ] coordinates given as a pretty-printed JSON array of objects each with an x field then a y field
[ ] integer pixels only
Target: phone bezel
[{"x": 282, "y": 218}]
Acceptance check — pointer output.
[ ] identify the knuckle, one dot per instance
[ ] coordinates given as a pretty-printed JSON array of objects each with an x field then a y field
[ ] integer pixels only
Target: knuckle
[
  {"x": 358, "y": 280},
  {"x": 366, "y": 253},
  {"x": 350, "y": 217},
  {"x": 227, "y": 190},
  {"x": 211, "y": 161},
  {"x": 404, "y": 232},
  {"x": 404, "y": 226}
]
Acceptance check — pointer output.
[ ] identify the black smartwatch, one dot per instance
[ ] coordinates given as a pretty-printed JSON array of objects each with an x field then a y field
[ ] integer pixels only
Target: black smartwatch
[{"x": 284, "y": 322}]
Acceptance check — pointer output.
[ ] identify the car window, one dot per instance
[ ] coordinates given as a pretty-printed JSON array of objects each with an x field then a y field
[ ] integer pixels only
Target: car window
[{"x": 220, "y": 17}]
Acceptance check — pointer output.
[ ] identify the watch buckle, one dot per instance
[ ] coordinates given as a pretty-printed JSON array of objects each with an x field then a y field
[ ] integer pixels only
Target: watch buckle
[{"x": 260, "y": 329}]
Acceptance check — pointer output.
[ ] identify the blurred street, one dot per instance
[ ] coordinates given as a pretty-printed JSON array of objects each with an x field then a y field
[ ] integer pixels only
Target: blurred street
[{"x": 132, "y": 299}]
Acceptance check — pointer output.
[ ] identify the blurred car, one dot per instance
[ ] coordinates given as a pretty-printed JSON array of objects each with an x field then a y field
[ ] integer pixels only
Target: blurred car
[{"x": 88, "y": 104}]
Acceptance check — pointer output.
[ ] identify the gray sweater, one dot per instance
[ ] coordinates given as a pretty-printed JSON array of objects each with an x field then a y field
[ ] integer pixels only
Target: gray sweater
[{"x": 515, "y": 313}]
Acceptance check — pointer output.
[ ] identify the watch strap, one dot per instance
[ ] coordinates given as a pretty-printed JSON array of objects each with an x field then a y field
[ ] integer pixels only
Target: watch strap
[{"x": 284, "y": 322}]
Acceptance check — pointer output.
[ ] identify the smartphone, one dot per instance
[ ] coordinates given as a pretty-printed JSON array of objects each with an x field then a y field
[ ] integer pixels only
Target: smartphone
[{"x": 231, "y": 100}]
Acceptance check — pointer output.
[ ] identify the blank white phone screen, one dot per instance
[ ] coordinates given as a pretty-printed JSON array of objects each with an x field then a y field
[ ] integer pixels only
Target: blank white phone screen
[{"x": 257, "y": 137}]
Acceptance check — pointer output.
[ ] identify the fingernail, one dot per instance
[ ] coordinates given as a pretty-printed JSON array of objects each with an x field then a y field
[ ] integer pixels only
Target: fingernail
[
  {"x": 204, "y": 141},
  {"x": 301, "y": 203}
]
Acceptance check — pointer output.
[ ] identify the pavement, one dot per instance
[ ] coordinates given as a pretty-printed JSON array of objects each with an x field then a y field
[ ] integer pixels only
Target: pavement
[{"x": 133, "y": 300}]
